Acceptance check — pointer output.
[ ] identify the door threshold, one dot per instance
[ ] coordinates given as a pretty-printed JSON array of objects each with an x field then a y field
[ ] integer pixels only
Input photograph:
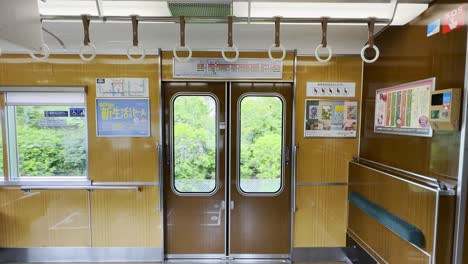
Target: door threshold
[{"x": 228, "y": 261}]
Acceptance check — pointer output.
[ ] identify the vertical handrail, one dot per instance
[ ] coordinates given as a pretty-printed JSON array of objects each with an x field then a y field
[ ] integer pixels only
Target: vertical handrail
[
  {"x": 160, "y": 173},
  {"x": 293, "y": 177}
]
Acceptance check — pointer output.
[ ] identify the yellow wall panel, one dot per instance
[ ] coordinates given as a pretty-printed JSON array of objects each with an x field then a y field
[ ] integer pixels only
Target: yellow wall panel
[
  {"x": 110, "y": 159},
  {"x": 126, "y": 218},
  {"x": 322, "y": 210},
  {"x": 320, "y": 219},
  {"x": 44, "y": 219},
  {"x": 36, "y": 220},
  {"x": 325, "y": 159}
]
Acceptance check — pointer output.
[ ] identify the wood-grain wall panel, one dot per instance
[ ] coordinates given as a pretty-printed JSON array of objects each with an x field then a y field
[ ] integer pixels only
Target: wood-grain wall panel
[
  {"x": 167, "y": 63},
  {"x": 384, "y": 244},
  {"x": 407, "y": 55},
  {"x": 412, "y": 203},
  {"x": 126, "y": 218},
  {"x": 44, "y": 219},
  {"x": 110, "y": 159},
  {"x": 320, "y": 219},
  {"x": 324, "y": 159}
]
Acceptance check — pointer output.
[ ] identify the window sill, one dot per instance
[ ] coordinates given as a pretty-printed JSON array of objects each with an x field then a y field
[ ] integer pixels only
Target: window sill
[{"x": 45, "y": 182}]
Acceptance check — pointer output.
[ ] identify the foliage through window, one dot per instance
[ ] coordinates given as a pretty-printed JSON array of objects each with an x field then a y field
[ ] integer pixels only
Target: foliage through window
[
  {"x": 47, "y": 140},
  {"x": 261, "y": 140},
  {"x": 194, "y": 119}
]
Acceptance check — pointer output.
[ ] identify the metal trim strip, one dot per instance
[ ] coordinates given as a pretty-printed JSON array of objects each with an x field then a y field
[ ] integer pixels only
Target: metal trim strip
[{"x": 81, "y": 254}]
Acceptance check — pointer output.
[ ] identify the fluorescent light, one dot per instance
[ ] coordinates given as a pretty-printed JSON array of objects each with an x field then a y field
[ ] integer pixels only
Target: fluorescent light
[
  {"x": 67, "y": 7},
  {"x": 404, "y": 14},
  {"x": 142, "y": 8}
]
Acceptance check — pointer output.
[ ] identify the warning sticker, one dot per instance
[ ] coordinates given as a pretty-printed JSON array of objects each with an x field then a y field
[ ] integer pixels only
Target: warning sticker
[{"x": 454, "y": 19}]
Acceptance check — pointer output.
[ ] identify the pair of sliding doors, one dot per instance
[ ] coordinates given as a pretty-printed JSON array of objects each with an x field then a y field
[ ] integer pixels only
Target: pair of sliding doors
[{"x": 227, "y": 172}]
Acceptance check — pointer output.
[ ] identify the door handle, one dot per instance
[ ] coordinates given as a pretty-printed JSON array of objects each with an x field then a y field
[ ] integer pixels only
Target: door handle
[
  {"x": 223, "y": 205},
  {"x": 286, "y": 155},
  {"x": 232, "y": 205}
]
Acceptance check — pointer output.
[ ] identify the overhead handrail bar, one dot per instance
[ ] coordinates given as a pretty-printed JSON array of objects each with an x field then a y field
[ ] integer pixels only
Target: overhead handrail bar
[{"x": 165, "y": 19}]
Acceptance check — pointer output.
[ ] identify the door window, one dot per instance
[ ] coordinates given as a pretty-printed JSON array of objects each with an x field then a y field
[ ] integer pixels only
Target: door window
[
  {"x": 261, "y": 132},
  {"x": 194, "y": 140}
]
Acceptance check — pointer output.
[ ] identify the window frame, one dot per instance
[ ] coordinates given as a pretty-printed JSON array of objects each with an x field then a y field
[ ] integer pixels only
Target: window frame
[
  {"x": 11, "y": 140},
  {"x": 283, "y": 145},
  {"x": 171, "y": 144}
]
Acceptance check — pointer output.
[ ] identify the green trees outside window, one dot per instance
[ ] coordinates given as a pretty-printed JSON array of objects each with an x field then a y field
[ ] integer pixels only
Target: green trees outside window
[{"x": 49, "y": 146}]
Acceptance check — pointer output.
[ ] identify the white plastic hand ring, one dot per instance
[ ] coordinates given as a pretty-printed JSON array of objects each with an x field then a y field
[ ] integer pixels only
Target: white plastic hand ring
[
  {"x": 283, "y": 51},
  {"x": 135, "y": 49},
  {"x": 329, "y": 50},
  {"x": 236, "y": 50},
  {"x": 377, "y": 54},
  {"x": 174, "y": 51},
  {"x": 91, "y": 48},
  {"x": 45, "y": 53}
]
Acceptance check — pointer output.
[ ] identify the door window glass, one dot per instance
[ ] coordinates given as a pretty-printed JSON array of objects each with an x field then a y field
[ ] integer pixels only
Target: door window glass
[
  {"x": 194, "y": 141},
  {"x": 261, "y": 144}
]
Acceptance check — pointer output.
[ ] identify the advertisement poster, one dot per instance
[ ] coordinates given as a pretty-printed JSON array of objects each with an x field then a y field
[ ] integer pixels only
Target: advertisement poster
[
  {"x": 122, "y": 117},
  {"x": 404, "y": 109},
  {"x": 122, "y": 87},
  {"x": 218, "y": 68},
  {"x": 330, "y": 118}
]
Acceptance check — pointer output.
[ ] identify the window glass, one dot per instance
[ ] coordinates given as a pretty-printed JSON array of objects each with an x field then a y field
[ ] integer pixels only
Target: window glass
[
  {"x": 261, "y": 140},
  {"x": 194, "y": 119},
  {"x": 50, "y": 140}
]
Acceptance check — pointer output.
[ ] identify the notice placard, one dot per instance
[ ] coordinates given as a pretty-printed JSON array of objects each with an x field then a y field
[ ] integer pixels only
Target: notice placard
[
  {"x": 331, "y": 89},
  {"x": 122, "y": 87},
  {"x": 218, "y": 68},
  {"x": 122, "y": 117},
  {"x": 404, "y": 109},
  {"x": 331, "y": 118}
]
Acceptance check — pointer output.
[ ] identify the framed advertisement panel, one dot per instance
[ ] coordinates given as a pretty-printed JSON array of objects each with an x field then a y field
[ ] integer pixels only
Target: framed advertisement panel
[
  {"x": 330, "y": 118},
  {"x": 404, "y": 109}
]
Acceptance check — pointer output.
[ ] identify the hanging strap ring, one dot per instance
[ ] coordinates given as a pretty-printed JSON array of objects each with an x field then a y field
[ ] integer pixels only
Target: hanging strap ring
[
  {"x": 236, "y": 50},
  {"x": 182, "y": 43},
  {"x": 277, "y": 42},
  {"x": 87, "y": 45},
  {"x": 90, "y": 48},
  {"x": 182, "y": 59},
  {"x": 363, "y": 56},
  {"x": 329, "y": 51},
  {"x": 230, "y": 44},
  {"x": 283, "y": 52},
  {"x": 134, "y": 47},
  {"x": 45, "y": 53},
  {"x": 324, "y": 43},
  {"x": 371, "y": 25}
]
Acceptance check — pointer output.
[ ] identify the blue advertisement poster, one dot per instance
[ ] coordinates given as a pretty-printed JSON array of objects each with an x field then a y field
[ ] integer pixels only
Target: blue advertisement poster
[{"x": 122, "y": 117}]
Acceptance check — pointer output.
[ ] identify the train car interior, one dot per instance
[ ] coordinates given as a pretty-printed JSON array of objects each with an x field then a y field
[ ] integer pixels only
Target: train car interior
[{"x": 234, "y": 131}]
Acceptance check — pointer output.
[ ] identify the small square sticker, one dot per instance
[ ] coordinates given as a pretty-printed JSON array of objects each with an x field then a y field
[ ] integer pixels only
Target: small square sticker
[{"x": 433, "y": 28}]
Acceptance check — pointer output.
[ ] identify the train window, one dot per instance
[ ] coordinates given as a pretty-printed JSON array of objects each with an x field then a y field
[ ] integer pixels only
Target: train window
[
  {"x": 47, "y": 134},
  {"x": 260, "y": 137},
  {"x": 194, "y": 143}
]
